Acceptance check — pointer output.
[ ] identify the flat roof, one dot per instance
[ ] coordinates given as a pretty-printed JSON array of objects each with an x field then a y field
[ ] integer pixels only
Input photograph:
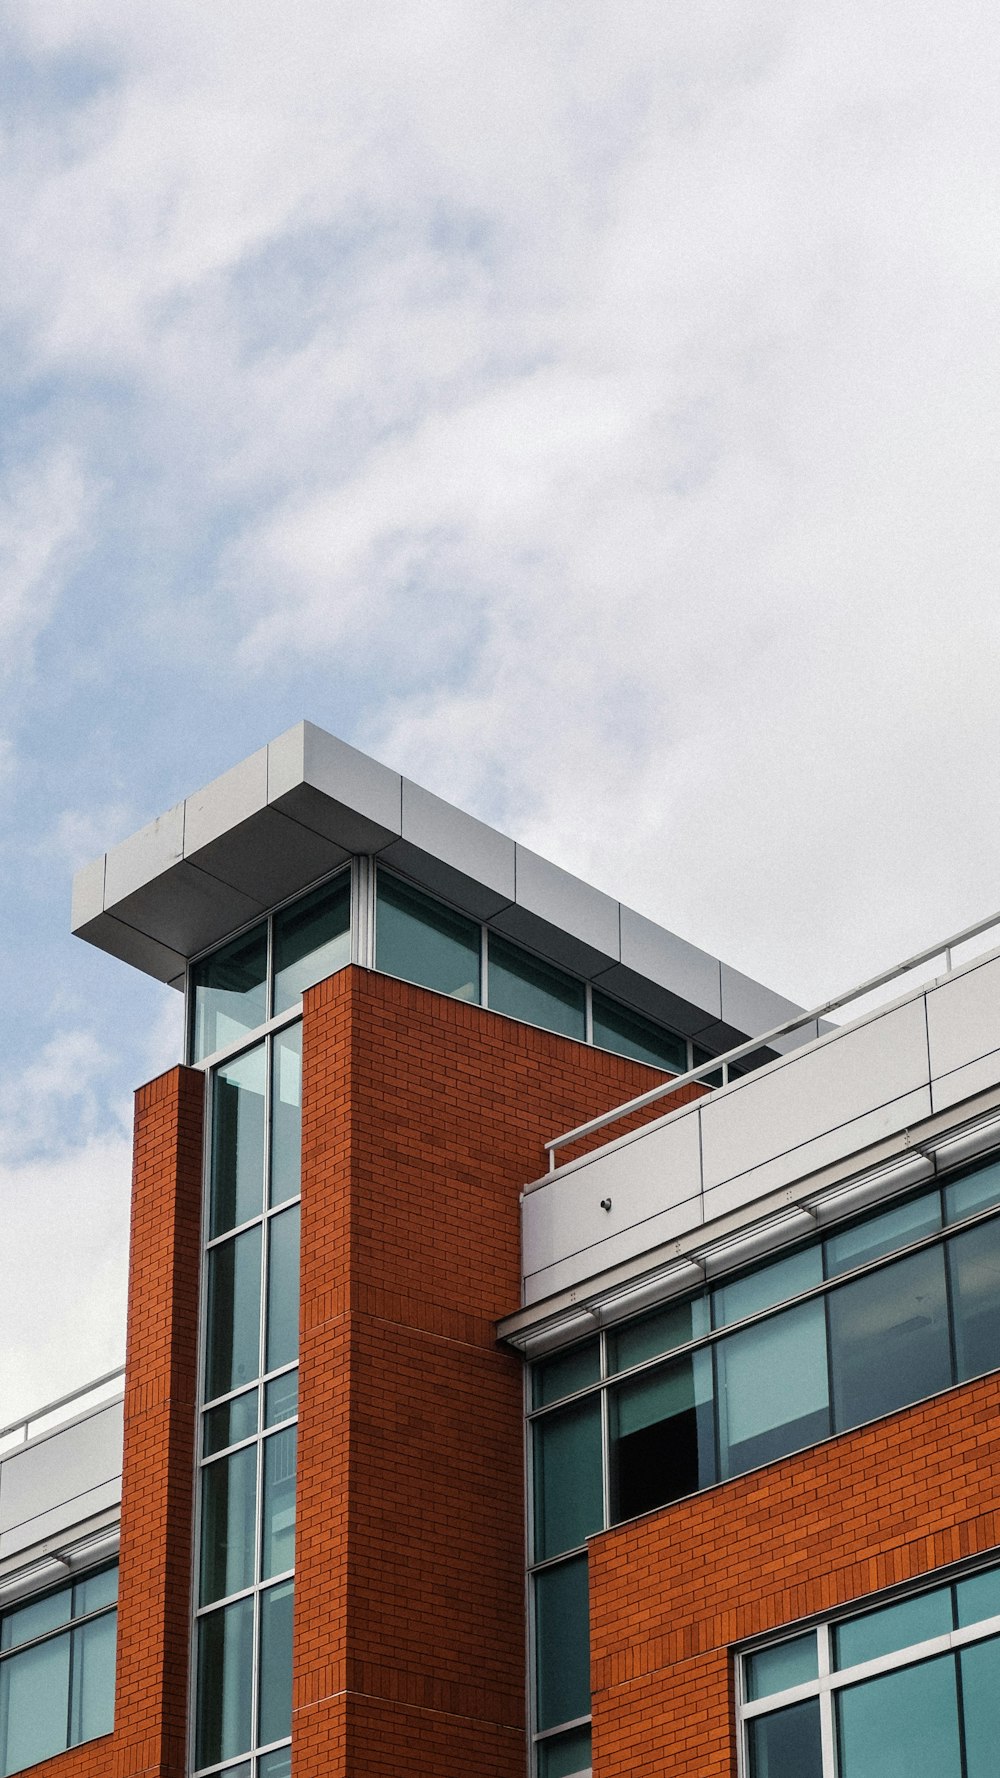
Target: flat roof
[{"x": 299, "y": 807}]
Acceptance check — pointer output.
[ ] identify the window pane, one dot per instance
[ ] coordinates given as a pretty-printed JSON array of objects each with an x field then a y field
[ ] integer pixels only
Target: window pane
[
  {"x": 974, "y": 1259},
  {"x": 787, "y": 1744},
  {"x": 775, "y": 1669},
  {"x": 773, "y": 1388},
  {"x": 901, "y": 1724},
  {"x": 278, "y": 1552},
  {"x": 92, "y": 1705},
  {"x": 564, "y": 1755},
  {"x": 233, "y": 1355},
  {"x": 963, "y": 1197},
  {"x": 566, "y": 1372},
  {"x": 768, "y": 1285},
  {"x": 274, "y": 1765},
  {"x": 425, "y": 942},
  {"x": 95, "y": 1590},
  {"x": 525, "y": 988},
  {"x": 228, "y": 1524},
  {"x": 881, "y": 1234},
  {"x": 227, "y": 1424},
  {"x": 629, "y": 1034},
  {"x": 283, "y": 1289},
  {"x": 229, "y": 994},
  {"x": 225, "y": 1673},
  {"x": 281, "y": 1398},
  {"x": 978, "y": 1597},
  {"x": 889, "y": 1339},
  {"x": 286, "y": 1115},
  {"x": 662, "y": 1436},
  {"x": 312, "y": 938},
  {"x": 673, "y": 1325},
  {"x": 562, "y": 1643},
  {"x": 890, "y": 1627},
  {"x": 34, "y": 1704},
  {"x": 25, "y": 1622},
  {"x": 238, "y": 1141},
  {"x": 568, "y": 1495},
  {"x": 275, "y": 1713},
  {"x": 981, "y": 1707}
]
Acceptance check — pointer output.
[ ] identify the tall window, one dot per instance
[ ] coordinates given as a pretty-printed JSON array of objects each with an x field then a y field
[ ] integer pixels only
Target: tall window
[
  {"x": 248, "y": 1421},
  {"x": 57, "y": 1669}
]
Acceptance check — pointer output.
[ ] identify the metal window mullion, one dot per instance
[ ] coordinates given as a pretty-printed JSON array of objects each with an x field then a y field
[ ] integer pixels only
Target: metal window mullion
[
  {"x": 588, "y": 1013},
  {"x": 484, "y": 965},
  {"x": 827, "y": 1719}
]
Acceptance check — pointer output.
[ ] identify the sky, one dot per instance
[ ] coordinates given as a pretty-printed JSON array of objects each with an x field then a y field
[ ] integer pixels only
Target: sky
[{"x": 590, "y": 411}]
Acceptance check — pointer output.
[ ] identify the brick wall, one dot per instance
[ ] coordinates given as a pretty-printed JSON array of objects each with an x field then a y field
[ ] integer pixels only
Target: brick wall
[{"x": 672, "y": 1592}]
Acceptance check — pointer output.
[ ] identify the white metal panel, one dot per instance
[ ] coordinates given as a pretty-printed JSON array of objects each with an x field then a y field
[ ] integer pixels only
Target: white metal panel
[
  {"x": 671, "y": 962},
  {"x": 88, "y": 894},
  {"x": 307, "y": 758},
  {"x": 57, "y": 1474},
  {"x": 144, "y": 855},
  {"x": 565, "y": 901},
  {"x": 63, "y": 1521},
  {"x": 749, "y": 1006},
  {"x": 223, "y": 804},
  {"x": 616, "y": 1249},
  {"x": 963, "y": 1018}
]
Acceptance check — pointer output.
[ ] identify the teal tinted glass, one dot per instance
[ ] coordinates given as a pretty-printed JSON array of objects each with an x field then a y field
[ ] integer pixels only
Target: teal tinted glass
[
  {"x": 228, "y": 993},
  {"x": 568, "y": 1491},
  {"x": 562, "y": 1643},
  {"x": 275, "y": 1706},
  {"x": 225, "y": 1683},
  {"x": 980, "y": 1670},
  {"x": 891, "y": 1627},
  {"x": 889, "y": 1343},
  {"x": 34, "y": 1689},
  {"x": 659, "y": 1332},
  {"x": 281, "y": 1398},
  {"x": 233, "y": 1316},
  {"x": 24, "y": 1622},
  {"x": 768, "y": 1285},
  {"x": 787, "y": 1744},
  {"x": 773, "y": 1388},
  {"x": 978, "y": 1597},
  {"x": 563, "y": 1756},
  {"x": 92, "y": 1683},
  {"x": 977, "y": 1191},
  {"x": 238, "y": 1094},
  {"x": 662, "y": 1435},
  {"x": 629, "y": 1034},
  {"x": 312, "y": 939},
  {"x": 552, "y": 1378},
  {"x": 901, "y": 1724},
  {"x": 423, "y": 941},
  {"x": 278, "y": 1545},
  {"x": 94, "y": 1591},
  {"x": 894, "y": 1228},
  {"x": 525, "y": 988},
  {"x": 230, "y": 1422},
  {"x": 283, "y": 1288},
  {"x": 974, "y": 1265},
  {"x": 776, "y": 1669},
  {"x": 286, "y": 1116},
  {"x": 228, "y": 1520},
  {"x": 274, "y": 1765}
]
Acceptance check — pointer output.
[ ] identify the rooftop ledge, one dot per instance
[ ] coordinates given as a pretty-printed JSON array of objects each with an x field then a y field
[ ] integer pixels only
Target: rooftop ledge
[{"x": 290, "y": 814}]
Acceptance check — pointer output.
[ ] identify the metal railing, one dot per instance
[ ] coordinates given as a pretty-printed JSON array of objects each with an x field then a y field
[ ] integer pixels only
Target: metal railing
[
  {"x": 65, "y": 1407},
  {"x": 722, "y": 1064}
]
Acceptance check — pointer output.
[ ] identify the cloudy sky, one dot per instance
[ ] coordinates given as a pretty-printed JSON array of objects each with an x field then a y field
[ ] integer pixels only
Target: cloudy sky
[{"x": 590, "y": 410}]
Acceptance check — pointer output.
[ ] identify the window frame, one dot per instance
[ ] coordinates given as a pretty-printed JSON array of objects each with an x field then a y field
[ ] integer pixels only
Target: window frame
[{"x": 68, "y": 1630}]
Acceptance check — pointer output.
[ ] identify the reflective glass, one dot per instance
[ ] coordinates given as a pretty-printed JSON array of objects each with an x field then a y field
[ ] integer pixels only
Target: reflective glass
[
  {"x": 232, "y": 1421},
  {"x": 278, "y": 1548},
  {"x": 974, "y": 1263},
  {"x": 889, "y": 1339},
  {"x": 238, "y": 1141},
  {"x": 562, "y": 1756},
  {"x": 25, "y": 1622},
  {"x": 629, "y": 1034},
  {"x": 275, "y": 1765},
  {"x": 92, "y": 1698},
  {"x": 776, "y": 1669},
  {"x": 423, "y": 941},
  {"x": 773, "y": 1388},
  {"x": 650, "y": 1335},
  {"x": 787, "y": 1744},
  {"x": 978, "y": 1597},
  {"x": 963, "y": 1197},
  {"x": 525, "y": 988},
  {"x": 662, "y": 1436},
  {"x": 225, "y": 1678},
  {"x": 93, "y": 1591},
  {"x": 901, "y": 1724},
  {"x": 980, "y": 1668},
  {"x": 228, "y": 992},
  {"x": 34, "y": 1699},
  {"x": 228, "y": 1524},
  {"x": 553, "y": 1378},
  {"x": 286, "y": 1115},
  {"x": 233, "y": 1315},
  {"x": 768, "y": 1285},
  {"x": 562, "y": 1643},
  {"x": 312, "y": 938},
  {"x": 892, "y": 1627},
  {"x": 281, "y": 1398},
  {"x": 882, "y": 1234},
  {"x": 275, "y": 1708},
  {"x": 568, "y": 1492},
  {"x": 283, "y": 1289}
]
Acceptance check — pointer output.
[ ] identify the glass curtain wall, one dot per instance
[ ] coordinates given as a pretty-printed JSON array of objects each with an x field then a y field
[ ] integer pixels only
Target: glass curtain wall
[
  {"x": 57, "y": 1669},
  {"x": 249, "y": 1419}
]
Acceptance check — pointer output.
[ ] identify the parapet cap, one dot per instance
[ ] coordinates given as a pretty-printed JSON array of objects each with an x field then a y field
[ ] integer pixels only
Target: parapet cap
[{"x": 296, "y": 809}]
